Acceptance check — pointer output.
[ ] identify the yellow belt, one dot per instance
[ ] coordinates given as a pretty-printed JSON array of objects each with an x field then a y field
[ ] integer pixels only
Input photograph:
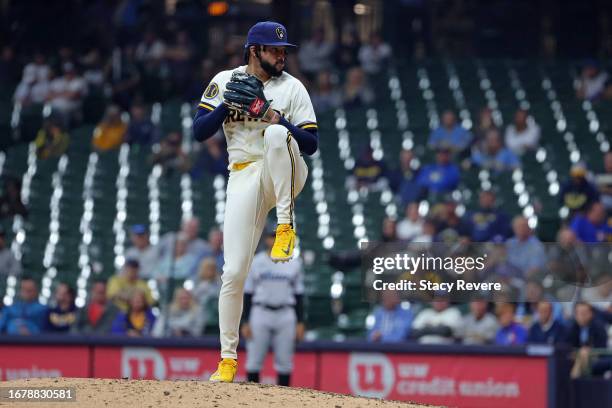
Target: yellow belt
[{"x": 240, "y": 166}]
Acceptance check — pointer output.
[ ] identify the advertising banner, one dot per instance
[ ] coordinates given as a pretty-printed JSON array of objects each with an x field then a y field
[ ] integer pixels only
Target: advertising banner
[
  {"x": 463, "y": 381},
  {"x": 43, "y": 361}
]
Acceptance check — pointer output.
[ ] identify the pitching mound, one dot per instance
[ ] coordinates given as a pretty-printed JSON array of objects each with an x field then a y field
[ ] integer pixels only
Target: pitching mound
[{"x": 186, "y": 394}]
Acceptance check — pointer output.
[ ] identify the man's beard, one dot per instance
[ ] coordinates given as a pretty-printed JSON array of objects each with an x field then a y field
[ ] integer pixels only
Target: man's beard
[{"x": 270, "y": 69}]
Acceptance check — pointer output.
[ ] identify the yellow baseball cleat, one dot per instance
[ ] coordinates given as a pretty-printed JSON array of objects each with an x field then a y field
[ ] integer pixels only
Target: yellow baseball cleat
[
  {"x": 226, "y": 371},
  {"x": 282, "y": 251}
]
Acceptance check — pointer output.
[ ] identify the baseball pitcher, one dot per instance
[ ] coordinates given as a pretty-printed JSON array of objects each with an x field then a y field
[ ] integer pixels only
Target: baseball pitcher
[{"x": 268, "y": 121}]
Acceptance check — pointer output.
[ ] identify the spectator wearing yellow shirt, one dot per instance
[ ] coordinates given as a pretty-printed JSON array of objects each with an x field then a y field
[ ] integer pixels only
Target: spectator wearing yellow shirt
[
  {"x": 110, "y": 132},
  {"x": 51, "y": 141},
  {"x": 122, "y": 287}
]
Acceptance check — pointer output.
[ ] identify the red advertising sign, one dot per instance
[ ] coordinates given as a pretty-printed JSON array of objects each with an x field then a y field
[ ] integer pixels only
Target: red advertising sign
[
  {"x": 462, "y": 381},
  {"x": 43, "y": 361},
  {"x": 175, "y": 363}
]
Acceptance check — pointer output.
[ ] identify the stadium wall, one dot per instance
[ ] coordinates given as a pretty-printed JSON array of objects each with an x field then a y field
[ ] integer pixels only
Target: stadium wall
[{"x": 474, "y": 376}]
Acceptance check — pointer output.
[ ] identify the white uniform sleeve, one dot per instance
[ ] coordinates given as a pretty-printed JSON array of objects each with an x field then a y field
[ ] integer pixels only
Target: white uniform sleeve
[
  {"x": 298, "y": 284},
  {"x": 213, "y": 94},
  {"x": 301, "y": 112}
]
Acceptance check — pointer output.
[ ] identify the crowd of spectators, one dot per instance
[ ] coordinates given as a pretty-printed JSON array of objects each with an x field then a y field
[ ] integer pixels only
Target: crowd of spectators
[{"x": 125, "y": 304}]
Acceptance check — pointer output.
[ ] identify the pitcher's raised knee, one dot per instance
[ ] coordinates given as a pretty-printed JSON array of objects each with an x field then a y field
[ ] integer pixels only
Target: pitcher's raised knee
[{"x": 276, "y": 136}]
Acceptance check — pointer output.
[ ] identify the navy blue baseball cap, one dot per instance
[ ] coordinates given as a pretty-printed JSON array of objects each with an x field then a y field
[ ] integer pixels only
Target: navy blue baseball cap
[
  {"x": 268, "y": 33},
  {"x": 139, "y": 229}
]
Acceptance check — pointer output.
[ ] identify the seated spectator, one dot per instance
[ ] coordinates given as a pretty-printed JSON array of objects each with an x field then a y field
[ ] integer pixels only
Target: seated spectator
[
  {"x": 93, "y": 70},
  {"x": 212, "y": 159},
  {"x": 215, "y": 241},
  {"x": 347, "y": 54},
  {"x": 138, "y": 320},
  {"x": 578, "y": 193},
  {"x": 486, "y": 122},
  {"x": 493, "y": 155},
  {"x": 142, "y": 250},
  {"x": 315, "y": 54},
  {"x": 374, "y": 55},
  {"x": 190, "y": 228},
  {"x": 183, "y": 319},
  {"x": 603, "y": 182},
  {"x": 141, "y": 131},
  {"x": 406, "y": 172},
  {"x": 389, "y": 230},
  {"x": 592, "y": 227},
  {"x": 428, "y": 234},
  {"x": 567, "y": 260},
  {"x": 121, "y": 287},
  {"x": 438, "y": 324},
  {"x": 479, "y": 326},
  {"x": 487, "y": 222},
  {"x": 523, "y": 134},
  {"x": 208, "y": 283},
  {"x": 585, "y": 332},
  {"x": 547, "y": 329},
  {"x": 62, "y": 316},
  {"x": 179, "y": 56},
  {"x": 440, "y": 177},
  {"x": 525, "y": 250},
  {"x": 110, "y": 132},
  {"x": 98, "y": 315},
  {"x": 357, "y": 92},
  {"x": 533, "y": 293},
  {"x": 51, "y": 140},
  {"x": 10, "y": 199},
  {"x": 368, "y": 171},
  {"x": 179, "y": 264},
  {"x": 450, "y": 134},
  {"x": 391, "y": 319},
  {"x": 35, "y": 83},
  {"x": 411, "y": 225},
  {"x": 450, "y": 228},
  {"x": 25, "y": 316},
  {"x": 170, "y": 155},
  {"x": 66, "y": 94},
  {"x": 325, "y": 96},
  {"x": 150, "y": 52},
  {"x": 594, "y": 83},
  {"x": 9, "y": 265},
  {"x": 510, "y": 332}
]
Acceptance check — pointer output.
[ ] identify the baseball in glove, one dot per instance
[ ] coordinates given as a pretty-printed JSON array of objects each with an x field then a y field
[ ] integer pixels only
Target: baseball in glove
[{"x": 244, "y": 93}]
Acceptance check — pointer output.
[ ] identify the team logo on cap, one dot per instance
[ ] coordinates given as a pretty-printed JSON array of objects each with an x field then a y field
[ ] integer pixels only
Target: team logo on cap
[{"x": 280, "y": 33}]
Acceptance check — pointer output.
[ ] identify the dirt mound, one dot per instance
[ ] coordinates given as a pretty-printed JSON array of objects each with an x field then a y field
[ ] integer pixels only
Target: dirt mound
[{"x": 186, "y": 394}]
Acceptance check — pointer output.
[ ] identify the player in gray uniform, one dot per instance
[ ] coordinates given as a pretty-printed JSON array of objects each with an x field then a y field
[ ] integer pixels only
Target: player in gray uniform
[{"x": 273, "y": 312}]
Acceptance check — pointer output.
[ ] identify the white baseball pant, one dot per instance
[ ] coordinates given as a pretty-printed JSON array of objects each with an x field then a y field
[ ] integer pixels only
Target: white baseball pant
[{"x": 274, "y": 180}]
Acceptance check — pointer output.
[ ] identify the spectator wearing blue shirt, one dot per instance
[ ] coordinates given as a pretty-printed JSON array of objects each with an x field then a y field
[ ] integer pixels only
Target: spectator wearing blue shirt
[
  {"x": 488, "y": 223},
  {"x": 494, "y": 156},
  {"x": 591, "y": 227},
  {"x": 510, "y": 332},
  {"x": 391, "y": 320},
  {"x": 25, "y": 316},
  {"x": 138, "y": 321},
  {"x": 546, "y": 329},
  {"x": 141, "y": 130},
  {"x": 525, "y": 250},
  {"x": 578, "y": 193},
  {"x": 450, "y": 135},
  {"x": 441, "y": 177},
  {"x": 586, "y": 332}
]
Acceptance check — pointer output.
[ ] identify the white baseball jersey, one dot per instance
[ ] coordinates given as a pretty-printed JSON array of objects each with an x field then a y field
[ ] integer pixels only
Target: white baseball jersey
[
  {"x": 274, "y": 284},
  {"x": 286, "y": 94}
]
